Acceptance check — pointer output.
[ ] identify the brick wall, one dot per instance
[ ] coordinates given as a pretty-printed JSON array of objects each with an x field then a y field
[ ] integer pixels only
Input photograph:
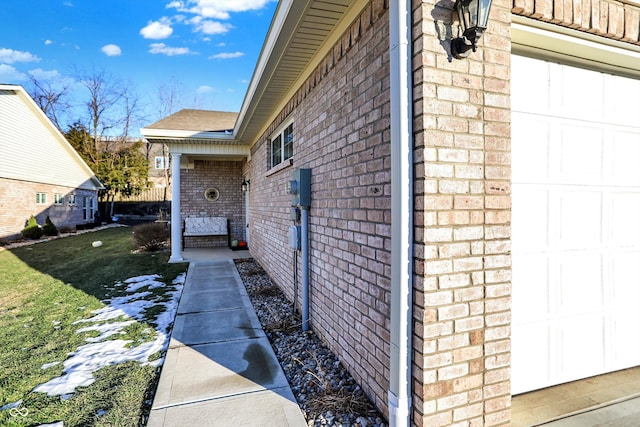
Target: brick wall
[
  {"x": 462, "y": 266},
  {"x": 341, "y": 128},
  {"x": 18, "y": 203},
  {"x": 226, "y": 176}
]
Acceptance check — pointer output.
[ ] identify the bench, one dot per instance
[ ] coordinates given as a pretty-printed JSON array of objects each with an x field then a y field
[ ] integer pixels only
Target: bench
[{"x": 206, "y": 226}]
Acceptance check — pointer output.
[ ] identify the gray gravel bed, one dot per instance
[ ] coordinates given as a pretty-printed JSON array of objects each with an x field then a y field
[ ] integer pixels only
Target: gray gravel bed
[{"x": 326, "y": 392}]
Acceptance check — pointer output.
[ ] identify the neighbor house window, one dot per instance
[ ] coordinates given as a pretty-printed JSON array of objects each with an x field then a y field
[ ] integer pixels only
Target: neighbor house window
[
  {"x": 282, "y": 145},
  {"x": 88, "y": 207},
  {"x": 162, "y": 162},
  {"x": 41, "y": 198},
  {"x": 71, "y": 199},
  {"x": 58, "y": 199}
]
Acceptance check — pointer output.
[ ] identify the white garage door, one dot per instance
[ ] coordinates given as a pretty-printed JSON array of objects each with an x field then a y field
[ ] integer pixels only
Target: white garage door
[{"x": 576, "y": 223}]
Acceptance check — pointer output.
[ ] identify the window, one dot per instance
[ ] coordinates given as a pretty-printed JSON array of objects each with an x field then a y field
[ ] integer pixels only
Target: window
[
  {"x": 88, "y": 207},
  {"x": 58, "y": 199},
  {"x": 282, "y": 145},
  {"x": 71, "y": 199},
  {"x": 41, "y": 198},
  {"x": 162, "y": 162}
]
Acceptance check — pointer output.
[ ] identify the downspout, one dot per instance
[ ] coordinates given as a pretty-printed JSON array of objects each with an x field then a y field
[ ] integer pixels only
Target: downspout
[
  {"x": 176, "y": 220},
  {"x": 399, "y": 396}
]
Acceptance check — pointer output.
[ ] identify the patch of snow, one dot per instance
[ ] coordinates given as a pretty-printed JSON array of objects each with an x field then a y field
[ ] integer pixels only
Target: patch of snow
[
  {"x": 49, "y": 365},
  {"x": 11, "y": 405},
  {"x": 58, "y": 424},
  {"x": 136, "y": 283},
  {"x": 102, "y": 351}
]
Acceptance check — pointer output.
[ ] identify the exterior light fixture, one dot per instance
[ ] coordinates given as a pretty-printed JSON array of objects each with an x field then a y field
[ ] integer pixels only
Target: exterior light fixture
[
  {"x": 245, "y": 185},
  {"x": 473, "y": 16}
]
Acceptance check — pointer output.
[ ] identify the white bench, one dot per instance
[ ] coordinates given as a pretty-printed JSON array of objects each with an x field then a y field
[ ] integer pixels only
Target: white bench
[{"x": 205, "y": 226}]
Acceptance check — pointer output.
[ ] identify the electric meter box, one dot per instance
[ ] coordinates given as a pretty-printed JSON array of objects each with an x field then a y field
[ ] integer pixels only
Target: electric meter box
[
  {"x": 295, "y": 237},
  {"x": 300, "y": 188}
]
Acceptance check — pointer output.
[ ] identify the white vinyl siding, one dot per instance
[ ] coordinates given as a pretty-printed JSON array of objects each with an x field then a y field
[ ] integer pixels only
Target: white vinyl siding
[{"x": 28, "y": 141}]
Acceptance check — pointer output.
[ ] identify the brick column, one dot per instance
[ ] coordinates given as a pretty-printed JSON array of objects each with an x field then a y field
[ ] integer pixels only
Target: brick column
[{"x": 463, "y": 207}]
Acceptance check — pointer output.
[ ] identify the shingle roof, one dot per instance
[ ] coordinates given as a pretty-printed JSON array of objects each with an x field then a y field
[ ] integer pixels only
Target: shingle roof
[{"x": 197, "y": 120}]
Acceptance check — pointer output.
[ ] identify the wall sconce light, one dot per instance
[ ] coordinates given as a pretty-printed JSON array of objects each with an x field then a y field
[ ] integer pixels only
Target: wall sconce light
[
  {"x": 473, "y": 16},
  {"x": 245, "y": 185}
]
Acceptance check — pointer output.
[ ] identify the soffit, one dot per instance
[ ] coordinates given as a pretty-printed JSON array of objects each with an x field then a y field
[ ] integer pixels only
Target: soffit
[{"x": 297, "y": 34}]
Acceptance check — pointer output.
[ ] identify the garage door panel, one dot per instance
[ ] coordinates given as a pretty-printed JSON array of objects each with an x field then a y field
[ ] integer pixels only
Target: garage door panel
[
  {"x": 625, "y": 345},
  {"x": 576, "y": 93},
  {"x": 577, "y": 156},
  {"x": 581, "y": 347},
  {"x": 533, "y": 339},
  {"x": 534, "y": 152},
  {"x": 624, "y": 290},
  {"x": 533, "y": 304},
  {"x": 531, "y": 202},
  {"x": 579, "y": 283},
  {"x": 625, "y": 112},
  {"x": 533, "y": 79},
  {"x": 624, "y": 208},
  {"x": 579, "y": 220},
  {"x": 625, "y": 157}
]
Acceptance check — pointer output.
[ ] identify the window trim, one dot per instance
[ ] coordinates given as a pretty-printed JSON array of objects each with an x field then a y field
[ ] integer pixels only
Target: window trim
[
  {"x": 280, "y": 134},
  {"x": 58, "y": 199},
  {"x": 41, "y": 198}
]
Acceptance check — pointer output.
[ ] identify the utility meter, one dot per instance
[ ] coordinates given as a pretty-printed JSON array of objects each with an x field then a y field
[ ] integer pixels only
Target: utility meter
[{"x": 300, "y": 188}]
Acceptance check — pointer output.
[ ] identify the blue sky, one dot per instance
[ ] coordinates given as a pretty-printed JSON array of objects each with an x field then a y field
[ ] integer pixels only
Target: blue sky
[{"x": 210, "y": 47}]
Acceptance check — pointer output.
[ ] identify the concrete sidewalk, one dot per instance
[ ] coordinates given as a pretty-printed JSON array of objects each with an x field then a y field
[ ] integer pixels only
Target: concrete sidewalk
[{"x": 220, "y": 369}]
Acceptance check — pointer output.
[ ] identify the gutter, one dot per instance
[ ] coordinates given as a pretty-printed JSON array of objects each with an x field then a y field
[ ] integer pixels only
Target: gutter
[{"x": 399, "y": 394}]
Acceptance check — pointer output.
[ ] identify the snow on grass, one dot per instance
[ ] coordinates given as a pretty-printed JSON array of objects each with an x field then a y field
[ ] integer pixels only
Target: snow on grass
[{"x": 110, "y": 321}]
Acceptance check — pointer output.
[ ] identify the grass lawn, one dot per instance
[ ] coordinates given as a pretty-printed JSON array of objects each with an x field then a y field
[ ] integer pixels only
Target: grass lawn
[{"x": 64, "y": 298}]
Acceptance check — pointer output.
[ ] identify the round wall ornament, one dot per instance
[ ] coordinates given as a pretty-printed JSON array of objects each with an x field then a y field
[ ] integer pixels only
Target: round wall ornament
[{"x": 212, "y": 194}]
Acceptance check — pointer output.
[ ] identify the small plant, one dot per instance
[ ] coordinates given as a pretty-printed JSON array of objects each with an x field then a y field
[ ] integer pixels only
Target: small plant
[
  {"x": 32, "y": 230},
  {"x": 151, "y": 236},
  {"x": 49, "y": 229}
]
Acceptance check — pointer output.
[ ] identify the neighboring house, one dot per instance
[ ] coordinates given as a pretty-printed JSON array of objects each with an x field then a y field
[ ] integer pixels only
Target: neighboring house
[
  {"x": 473, "y": 227},
  {"x": 40, "y": 172}
]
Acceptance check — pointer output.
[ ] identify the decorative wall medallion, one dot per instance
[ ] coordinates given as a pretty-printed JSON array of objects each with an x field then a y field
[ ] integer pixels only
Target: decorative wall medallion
[{"x": 211, "y": 194}]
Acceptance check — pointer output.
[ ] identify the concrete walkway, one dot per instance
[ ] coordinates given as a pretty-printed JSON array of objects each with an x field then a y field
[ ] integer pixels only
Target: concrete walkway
[{"x": 220, "y": 369}]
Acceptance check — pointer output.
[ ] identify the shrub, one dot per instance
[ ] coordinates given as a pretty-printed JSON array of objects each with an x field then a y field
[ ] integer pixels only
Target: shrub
[
  {"x": 151, "y": 236},
  {"x": 32, "y": 230},
  {"x": 49, "y": 229}
]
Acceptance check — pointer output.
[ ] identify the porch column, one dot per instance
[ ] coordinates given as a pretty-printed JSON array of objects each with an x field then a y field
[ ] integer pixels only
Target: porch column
[{"x": 176, "y": 219}]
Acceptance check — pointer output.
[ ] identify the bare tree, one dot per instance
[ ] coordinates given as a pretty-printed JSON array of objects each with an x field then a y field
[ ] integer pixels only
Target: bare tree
[
  {"x": 104, "y": 95},
  {"x": 171, "y": 98},
  {"x": 52, "y": 98}
]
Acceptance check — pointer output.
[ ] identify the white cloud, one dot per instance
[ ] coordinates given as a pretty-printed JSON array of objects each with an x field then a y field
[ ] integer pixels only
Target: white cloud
[
  {"x": 111, "y": 50},
  {"x": 9, "y": 56},
  {"x": 161, "y": 48},
  {"x": 217, "y": 9},
  {"x": 43, "y": 75},
  {"x": 212, "y": 27},
  {"x": 157, "y": 30},
  {"x": 48, "y": 42},
  {"x": 8, "y": 74},
  {"x": 204, "y": 89},
  {"x": 227, "y": 55}
]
